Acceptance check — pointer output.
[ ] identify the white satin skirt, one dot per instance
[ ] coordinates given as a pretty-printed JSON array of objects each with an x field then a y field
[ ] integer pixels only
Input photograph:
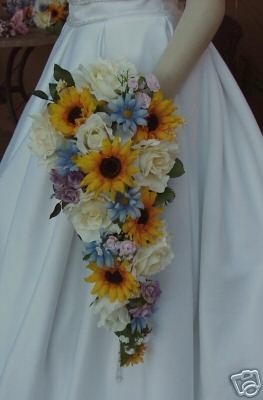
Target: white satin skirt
[{"x": 209, "y": 321}]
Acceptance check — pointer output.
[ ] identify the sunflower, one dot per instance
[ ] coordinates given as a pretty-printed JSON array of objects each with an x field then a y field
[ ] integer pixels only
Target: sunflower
[
  {"x": 161, "y": 121},
  {"x": 137, "y": 357},
  {"x": 110, "y": 169},
  {"x": 115, "y": 282},
  {"x": 71, "y": 110},
  {"x": 57, "y": 12},
  {"x": 147, "y": 228}
]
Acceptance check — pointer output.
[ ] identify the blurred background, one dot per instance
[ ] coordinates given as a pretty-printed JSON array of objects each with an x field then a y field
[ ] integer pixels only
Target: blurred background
[{"x": 239, "y": 40}]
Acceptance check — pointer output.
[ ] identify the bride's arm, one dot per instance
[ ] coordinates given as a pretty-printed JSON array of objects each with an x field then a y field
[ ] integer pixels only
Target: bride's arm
[{"x": 194, "y": 31}]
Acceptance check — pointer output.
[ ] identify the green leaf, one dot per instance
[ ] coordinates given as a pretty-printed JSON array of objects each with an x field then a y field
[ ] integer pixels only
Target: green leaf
[
  {"x": 53, "y": 91},
  {"x": 41, "y": 94},
  {"x": 60, "y": 73},
  {"x": 164, "y": 198},
  {"x": 56, "y": 210},
  {"x": 177, "y": 170},
  {"x": 63, "y": 204}
]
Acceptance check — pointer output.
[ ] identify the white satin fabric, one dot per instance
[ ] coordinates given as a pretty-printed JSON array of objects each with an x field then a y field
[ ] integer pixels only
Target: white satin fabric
[{"x": 209, "y": 321}]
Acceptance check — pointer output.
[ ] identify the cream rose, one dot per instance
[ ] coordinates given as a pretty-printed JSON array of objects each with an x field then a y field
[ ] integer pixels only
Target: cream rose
[
  {"x": 151, "y": 259},
  {"x": 102, "y": 77},
  {"x": 91, "y": 134},
  {"x": 114, "y": 316},
  {"x": 89, "y": 216},
  {"x": 43, "y": 139},
  {"x": 155, "y": 161}
]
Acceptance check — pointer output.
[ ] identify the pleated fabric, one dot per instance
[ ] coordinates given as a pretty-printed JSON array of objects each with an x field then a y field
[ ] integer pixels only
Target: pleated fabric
[{"x": 208, "y": 323}]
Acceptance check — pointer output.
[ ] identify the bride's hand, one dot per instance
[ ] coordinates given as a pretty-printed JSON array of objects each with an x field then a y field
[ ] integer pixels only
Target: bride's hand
[{"x": 194, "y": 31}]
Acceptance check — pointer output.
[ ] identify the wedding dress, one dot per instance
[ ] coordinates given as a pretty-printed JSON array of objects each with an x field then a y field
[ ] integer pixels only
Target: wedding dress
[{"x": 209, "y": 323}]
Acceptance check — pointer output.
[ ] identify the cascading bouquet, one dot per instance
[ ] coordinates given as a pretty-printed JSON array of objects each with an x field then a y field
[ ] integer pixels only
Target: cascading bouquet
[{"x": 108, "y": 138}]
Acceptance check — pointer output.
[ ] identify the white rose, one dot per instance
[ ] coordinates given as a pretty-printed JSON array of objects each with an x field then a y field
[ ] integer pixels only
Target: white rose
[
  {"x": 151, "y": 259},
  {"x": 42, "y": 19},
  {"x": 155, "y": 161},
  {"x": 89, "y": 216},
  {"x": 114, "y": 316},
  {"x": 43, "y": 139},
  {"x": 102, "y": 77},
  {"x": 91, "y": 134}
]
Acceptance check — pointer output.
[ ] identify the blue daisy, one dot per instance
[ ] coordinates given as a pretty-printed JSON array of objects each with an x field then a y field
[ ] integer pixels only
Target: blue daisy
[
  {"x": 128, "y": 112},
  {"x": 126, "y": 204},
  {"x": 64, "y": 161},
  {"x": 98, "y": 254}
]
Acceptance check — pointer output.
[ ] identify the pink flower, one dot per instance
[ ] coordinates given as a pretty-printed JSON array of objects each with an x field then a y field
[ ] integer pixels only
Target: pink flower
[
  {"x": 17, "y": 22},
  {"x": 112, "y": 244},
  {"x": 143, "y": 99},
  {"x": 142, "y": 311},
  {"x": 152, "y": 82},
  {"x": 150, "y": 291},
  {"x": 133, "y": 83},
  {"x": 126, "y": 248}
]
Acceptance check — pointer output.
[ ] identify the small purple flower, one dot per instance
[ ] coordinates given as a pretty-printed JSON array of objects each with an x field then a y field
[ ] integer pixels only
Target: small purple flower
[
  {"x": 74, "y": 178},
  {"x": 150, "y": 291},
  {"x": 58, "y": 180},
  {"x": 111, "y": 244},
  {"x": 142, "y": 311},
  {"x": 143, "y": 99},
  {"x": 126, "y": 248},
  {"x": 152, "y": 82},
  {"x": 133, "y": 83},
  {"x": 68, "y": 195}
]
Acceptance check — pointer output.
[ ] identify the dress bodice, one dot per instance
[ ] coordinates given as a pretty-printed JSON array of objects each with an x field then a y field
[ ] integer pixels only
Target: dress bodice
[{"x": 98, "y": 9}]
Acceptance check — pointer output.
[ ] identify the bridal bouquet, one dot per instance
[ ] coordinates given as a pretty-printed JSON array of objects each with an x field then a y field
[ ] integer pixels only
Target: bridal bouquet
[{"x": 108, "y": 137}]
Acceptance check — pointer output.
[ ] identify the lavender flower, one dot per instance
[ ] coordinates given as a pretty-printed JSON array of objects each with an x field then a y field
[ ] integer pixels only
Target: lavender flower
[
  {"x": 141, "y": 311},
  {"x": 143, "y": 99},
  {"x": 150, "y": 291},
  {"x": 133, "y": 83},
  {"x": 65, "y": 187},
  {"x": 127, "y": 248},
  {"x": 111, "y": 244},
  {"x": 58, "y": 180},
  {"x": 152, "y": 82},
  {"x": 67, "y": 195},
  {"x": 74, "y": 178}
]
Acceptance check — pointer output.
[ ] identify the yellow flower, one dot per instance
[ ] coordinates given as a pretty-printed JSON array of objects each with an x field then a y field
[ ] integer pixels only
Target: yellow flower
[
  {"x": 57, "y": 12},
  {"x": 161, "y": 122},
  {"x": 147, "y": 228},
  {"x": 110, "y": 169},
  {"x": 115, "y": 282},
  {"x": 71, "y": 110},
  {"x": 137, "y": 357}
]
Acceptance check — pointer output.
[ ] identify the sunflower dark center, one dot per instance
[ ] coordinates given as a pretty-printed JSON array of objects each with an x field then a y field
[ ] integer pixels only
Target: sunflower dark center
[
  {"x": 152, "y": 122},
  {"x": 74, "y": 114},
  {"x": 110, "y": 167},
  {"x": 144, "y": 217},
  {"x": 54, "y": 13},
  {"x": 114, "y": 277}
]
